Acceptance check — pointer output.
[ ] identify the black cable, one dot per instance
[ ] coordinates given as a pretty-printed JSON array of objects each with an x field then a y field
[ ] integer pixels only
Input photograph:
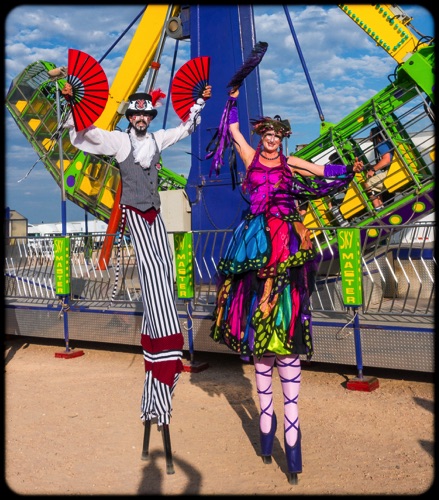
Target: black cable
[{"x": 120, "y": 37}]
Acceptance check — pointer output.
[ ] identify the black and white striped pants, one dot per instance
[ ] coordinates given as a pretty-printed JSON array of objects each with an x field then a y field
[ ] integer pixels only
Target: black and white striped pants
[
  {"x": 160, "y": 316},
  {"x": 156, "y": 276}
]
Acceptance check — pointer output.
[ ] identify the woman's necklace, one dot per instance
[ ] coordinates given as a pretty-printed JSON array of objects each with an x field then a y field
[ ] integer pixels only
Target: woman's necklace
[{"x": 275, "y": 158}]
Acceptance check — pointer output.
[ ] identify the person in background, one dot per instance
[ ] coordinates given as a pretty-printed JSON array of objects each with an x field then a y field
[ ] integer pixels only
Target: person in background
[
  {"x": 137, "y": 152},
  {"x": 266, "y": 276},
  {"x": 335, "y": 201},
  {"x": 377, "y": 173}
]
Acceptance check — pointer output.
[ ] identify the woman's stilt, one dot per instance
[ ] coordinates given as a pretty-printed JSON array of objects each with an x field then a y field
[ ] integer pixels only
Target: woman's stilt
[{"x": 289, "y": 369}]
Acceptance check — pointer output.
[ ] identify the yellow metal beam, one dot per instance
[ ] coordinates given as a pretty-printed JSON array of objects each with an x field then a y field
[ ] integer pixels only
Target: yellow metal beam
[
  {"x": 136, "y": 62},
  {"x": 387, "y": 26}
]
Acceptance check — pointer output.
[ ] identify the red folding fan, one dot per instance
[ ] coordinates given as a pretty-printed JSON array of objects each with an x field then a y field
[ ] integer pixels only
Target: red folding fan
[
  {"x": 90, "y": 88},
  {"x": 188, "y": 85}
]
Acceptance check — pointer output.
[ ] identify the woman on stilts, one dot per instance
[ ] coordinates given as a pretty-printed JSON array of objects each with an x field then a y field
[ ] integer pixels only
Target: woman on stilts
[{"x": 266, "y": 276}]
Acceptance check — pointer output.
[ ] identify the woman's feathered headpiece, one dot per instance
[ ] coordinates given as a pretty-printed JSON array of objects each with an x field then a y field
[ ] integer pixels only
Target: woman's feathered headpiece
[{"x": 267, "y": 124}]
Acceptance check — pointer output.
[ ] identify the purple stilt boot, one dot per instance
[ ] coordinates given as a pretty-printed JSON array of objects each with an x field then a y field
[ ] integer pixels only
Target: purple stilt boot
[
  {"x": 293, "y": 455},
  {"x": 267, "y": 439}
]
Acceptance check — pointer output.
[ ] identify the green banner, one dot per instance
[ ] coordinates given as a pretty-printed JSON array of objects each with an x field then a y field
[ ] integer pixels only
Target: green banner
[
  {"x": 61, "y": 250},
  {"x": 184, "y": 265},
  {"x": 349, "y": 247}
]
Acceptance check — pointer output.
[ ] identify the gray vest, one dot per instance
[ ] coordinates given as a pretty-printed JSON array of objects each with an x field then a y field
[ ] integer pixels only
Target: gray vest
[{"x": 139, "y": 185}]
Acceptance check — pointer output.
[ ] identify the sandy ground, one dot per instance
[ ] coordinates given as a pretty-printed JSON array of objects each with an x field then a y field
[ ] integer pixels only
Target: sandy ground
[{"x": 72, "y": 427}]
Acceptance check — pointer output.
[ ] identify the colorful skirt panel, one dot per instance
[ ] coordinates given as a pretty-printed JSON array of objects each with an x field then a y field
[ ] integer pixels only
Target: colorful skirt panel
[{"x": 265, "y": 282}]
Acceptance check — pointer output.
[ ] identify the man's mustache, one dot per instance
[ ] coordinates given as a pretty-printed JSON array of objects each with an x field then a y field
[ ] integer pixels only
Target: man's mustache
[{"x": 140, "y": 119}]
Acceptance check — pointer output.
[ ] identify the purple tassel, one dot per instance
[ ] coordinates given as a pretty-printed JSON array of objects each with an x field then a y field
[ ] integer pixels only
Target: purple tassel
[
  {"x": 223, "y": 140},
  {"x": 319, "y": 187}
]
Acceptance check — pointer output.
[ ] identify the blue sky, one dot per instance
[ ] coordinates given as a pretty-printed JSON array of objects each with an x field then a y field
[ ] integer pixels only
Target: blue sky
[{"x": 345, "y": 65}]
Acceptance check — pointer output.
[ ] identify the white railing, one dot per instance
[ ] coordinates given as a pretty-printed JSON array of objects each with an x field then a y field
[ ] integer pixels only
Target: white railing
[{"x": 398, "y": 270}]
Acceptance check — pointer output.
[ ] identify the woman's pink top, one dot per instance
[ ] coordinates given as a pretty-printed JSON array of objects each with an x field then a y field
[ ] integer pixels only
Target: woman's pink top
[{"x": 270, "y": 189}]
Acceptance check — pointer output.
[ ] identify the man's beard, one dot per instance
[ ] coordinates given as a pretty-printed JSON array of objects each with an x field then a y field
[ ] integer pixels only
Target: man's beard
[
  {"x": 144, "y": 147},
  {"x": 140, "y": 132}
]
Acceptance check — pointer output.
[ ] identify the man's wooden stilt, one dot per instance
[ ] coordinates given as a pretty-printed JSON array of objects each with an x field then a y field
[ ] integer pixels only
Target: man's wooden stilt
[
  {"x": 168, "y": 451},
  {"x": 166, "y": 445},
  {"x": 146, "y": 434}
]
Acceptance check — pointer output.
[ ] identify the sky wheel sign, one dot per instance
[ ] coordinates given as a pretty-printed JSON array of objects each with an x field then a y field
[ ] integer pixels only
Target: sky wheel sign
[
  {"x": 349, "y": 247},
  {"x": 184, "y": 265},
  {"x": 61, "y": 248}
]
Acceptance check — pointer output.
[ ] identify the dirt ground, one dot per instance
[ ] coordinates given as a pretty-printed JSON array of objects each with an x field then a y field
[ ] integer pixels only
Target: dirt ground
[{"x": 72, "y": 427}]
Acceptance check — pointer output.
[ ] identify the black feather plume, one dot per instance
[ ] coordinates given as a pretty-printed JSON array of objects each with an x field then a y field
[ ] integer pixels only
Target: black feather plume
[{"x": 249, "y": 65}]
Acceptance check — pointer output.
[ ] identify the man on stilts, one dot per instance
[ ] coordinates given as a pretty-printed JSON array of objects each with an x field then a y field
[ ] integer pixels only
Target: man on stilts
[{"x": 138, "y": 154}]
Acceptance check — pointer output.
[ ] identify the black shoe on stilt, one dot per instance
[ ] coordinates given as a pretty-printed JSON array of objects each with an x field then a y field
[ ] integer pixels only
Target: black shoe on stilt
[
  {"x": 294, "y": 459},
  {"x": 267, "y": 439}
]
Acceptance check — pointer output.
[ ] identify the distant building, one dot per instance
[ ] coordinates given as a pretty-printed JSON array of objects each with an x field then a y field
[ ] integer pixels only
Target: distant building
[
  {"x": 76, "y": 227},
  {"x": 15, "y": 224}
]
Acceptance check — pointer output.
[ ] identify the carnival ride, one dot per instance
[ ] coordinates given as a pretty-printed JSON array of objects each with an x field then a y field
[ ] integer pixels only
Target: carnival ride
[{"x": 404, "y": 111}]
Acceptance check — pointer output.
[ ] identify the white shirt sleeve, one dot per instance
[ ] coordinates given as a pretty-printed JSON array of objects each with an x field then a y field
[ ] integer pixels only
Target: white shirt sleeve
[
  {"x": 116, "y": 143},
  {"x": 98, "y": 141},
  {"x": 168, "y": 137}
]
